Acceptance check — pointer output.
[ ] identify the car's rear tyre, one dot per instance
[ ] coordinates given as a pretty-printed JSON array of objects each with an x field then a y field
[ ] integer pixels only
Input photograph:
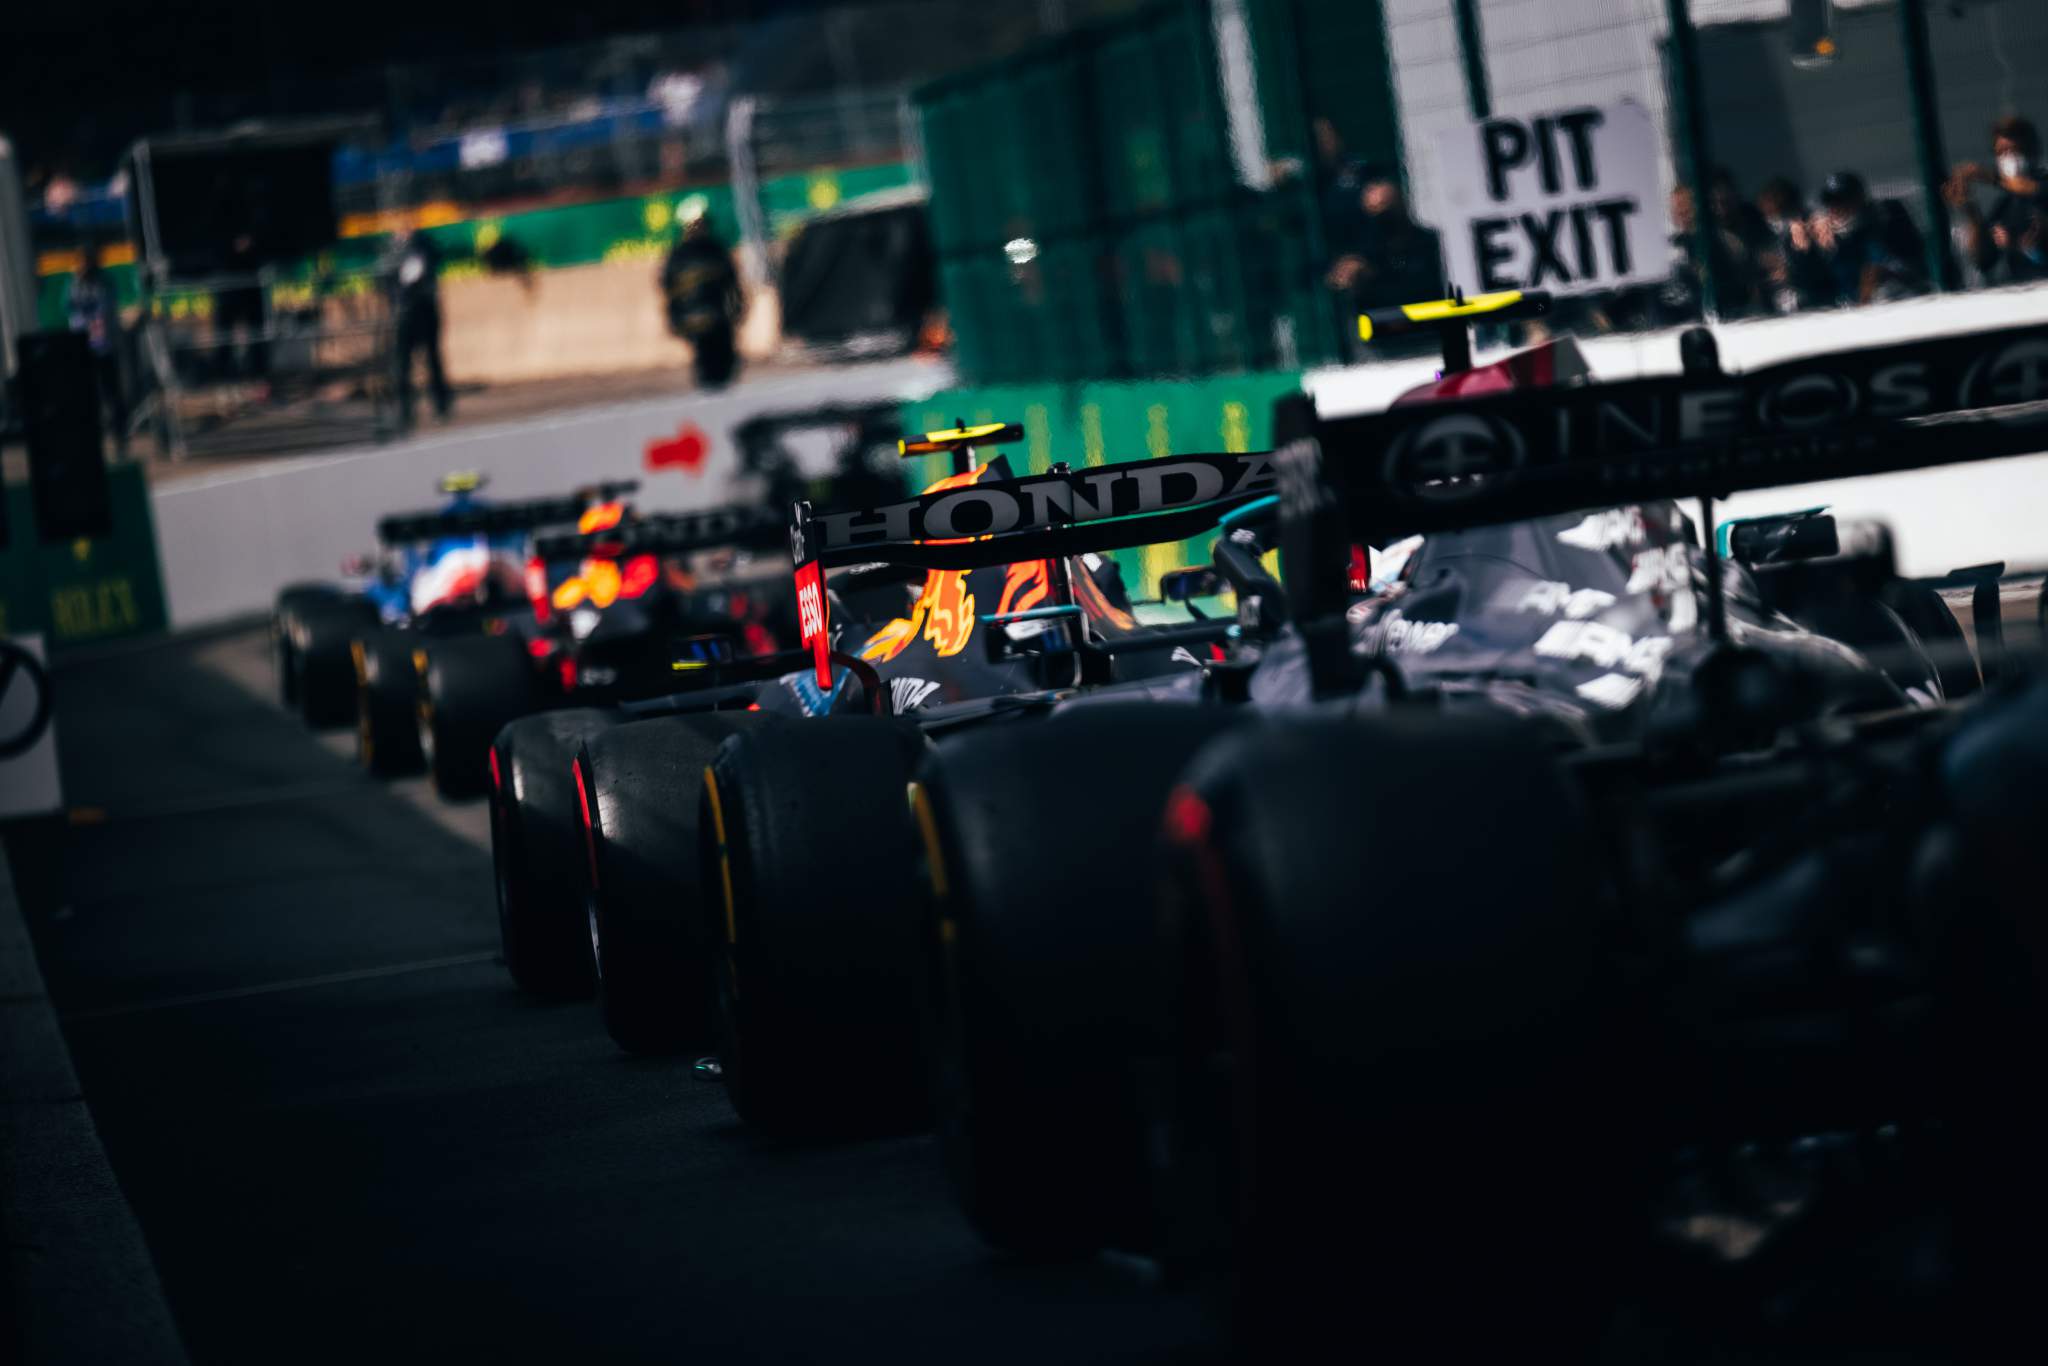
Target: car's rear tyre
[
  {"x": 1398, "y": 934},
  {"x": 810, "y": 884},
  {"x": 387, "y": 704},
  {"x": 1984, "y": 895},
  {"x": 1041, "y": 850},
  {"x": 323, "y": 662},
  {"x": 470, "y": 689},
  {"x": 538, "y": 854},
  {"x": 646, "y": 928},
  {"x": 293, "y": 602}
]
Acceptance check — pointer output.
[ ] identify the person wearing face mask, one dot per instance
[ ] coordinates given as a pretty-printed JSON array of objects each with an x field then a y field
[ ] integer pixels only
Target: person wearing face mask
[
  {"x": 1870, "y": 249},
  {"x": 1387, "y": 258},
  {"x": 2006, "y": 243},
  {"x": 1795, "y": 276}
]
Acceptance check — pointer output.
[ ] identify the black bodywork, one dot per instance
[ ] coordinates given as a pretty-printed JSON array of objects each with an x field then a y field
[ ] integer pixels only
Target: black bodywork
[{"x": 1795, "y": 891}]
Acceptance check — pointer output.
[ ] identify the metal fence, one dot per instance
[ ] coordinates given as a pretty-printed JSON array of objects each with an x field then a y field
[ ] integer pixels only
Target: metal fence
[{"x": 1209, "y": 185}]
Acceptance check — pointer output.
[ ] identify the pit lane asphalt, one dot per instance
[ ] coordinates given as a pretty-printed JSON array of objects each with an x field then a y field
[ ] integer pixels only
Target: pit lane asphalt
[{"x": 348, "y": 1139}]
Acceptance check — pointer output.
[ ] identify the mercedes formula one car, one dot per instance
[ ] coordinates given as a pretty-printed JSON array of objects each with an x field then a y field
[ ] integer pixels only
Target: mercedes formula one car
[{"x": 1586, "y": 890}]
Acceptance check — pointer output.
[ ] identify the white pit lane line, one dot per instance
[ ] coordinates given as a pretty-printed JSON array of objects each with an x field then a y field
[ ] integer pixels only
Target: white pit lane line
[{"x": 325, "y": 979}]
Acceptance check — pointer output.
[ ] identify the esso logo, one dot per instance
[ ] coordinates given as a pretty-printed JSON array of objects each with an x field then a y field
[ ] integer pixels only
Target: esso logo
[{"x": 810, "y": 615}]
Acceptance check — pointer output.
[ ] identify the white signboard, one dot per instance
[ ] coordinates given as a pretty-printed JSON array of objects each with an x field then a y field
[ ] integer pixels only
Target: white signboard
[
  {"x": 1566, "y": 201},
  {"x": 28, "y": 738}
]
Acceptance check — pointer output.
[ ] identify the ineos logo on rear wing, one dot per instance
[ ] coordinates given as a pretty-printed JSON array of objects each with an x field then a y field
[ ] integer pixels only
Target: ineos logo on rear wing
[{"x": 1529, "y": 453}]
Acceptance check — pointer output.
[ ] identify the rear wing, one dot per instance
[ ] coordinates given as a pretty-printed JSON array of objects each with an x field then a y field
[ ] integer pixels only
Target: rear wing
[
  {"x": 1063, "y": 512},
  {"x": 497, "y": 519},
  {"x": 1529, "y": 453},
  {"x": 672, "y": 533},
  {"x": 1002, "y": 521}
]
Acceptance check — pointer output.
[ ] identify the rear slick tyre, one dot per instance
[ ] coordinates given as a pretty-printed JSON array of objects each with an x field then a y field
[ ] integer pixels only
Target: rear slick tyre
[
  {"x": 538, "y": 853},
  {"x": 1043, "y": 838},
  {"x": 1399, "y": 932},
  {"x": 640, "y": 784},
  {"x": 323, "y": 662},
  {"x": 810, "y": 881},
  {"x": 292, "y": 603},
  {"x": 471, "y": 688},
  {"x": 387, "y": 700}
]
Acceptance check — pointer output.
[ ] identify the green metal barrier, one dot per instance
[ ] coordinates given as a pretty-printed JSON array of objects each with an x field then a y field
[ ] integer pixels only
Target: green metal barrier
[
  {"x": 1103, "y": 208},
  {"x": 85, "y": 590}
]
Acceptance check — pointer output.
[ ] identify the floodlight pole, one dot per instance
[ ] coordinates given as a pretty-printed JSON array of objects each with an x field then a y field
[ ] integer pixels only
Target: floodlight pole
[
  {"x": 1472, "y": 48},
  {"x": 1927, "y": 144},
  {"x": 1689, "y": 136}
]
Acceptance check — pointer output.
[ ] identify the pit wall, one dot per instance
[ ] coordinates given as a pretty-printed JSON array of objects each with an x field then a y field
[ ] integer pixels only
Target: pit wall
[
  {"x": 606, "y": 318},
  {"x": 83, "y": 591}
]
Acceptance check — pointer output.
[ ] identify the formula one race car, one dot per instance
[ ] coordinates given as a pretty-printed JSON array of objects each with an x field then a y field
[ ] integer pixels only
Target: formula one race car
[
  {"x": 454, "y": 570},
  {"x": 1561, "y": 893},
  {"x": 610, "y": 605}
]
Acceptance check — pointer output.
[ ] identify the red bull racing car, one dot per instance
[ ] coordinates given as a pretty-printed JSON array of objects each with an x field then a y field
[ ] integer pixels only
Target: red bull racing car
[{"x": 931, "y": 658}]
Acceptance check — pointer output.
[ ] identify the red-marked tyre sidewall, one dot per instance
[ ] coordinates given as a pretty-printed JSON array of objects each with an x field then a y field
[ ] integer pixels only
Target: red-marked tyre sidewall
[
  {"x": 538, "y": 852},
  {"x": 1047, "y": 1010},
  {"x": 1395, "y": 940}
]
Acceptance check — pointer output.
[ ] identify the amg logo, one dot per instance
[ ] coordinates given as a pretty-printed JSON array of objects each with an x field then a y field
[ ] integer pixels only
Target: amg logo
[{"x": 994, "y": 509}]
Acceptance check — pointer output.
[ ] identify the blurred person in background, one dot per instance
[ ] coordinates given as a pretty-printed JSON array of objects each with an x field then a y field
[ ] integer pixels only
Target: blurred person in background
[
  {"x": 245, "y": 354},
  {"x": 1735, "y": 214},
  {"x": 1343, "y": 182},
  {"x": 1871, "y": 249},
  {"x": 1794, "y": 275},
  {"x": 1683, "y": 298},
  {"x": 2004, "y": 244},
  {"x": 700, "y": 288},
  {"x": 416, "y": 309},
  {"x": 95, "y": 312},
  {"x": 1388, "y": 258}
]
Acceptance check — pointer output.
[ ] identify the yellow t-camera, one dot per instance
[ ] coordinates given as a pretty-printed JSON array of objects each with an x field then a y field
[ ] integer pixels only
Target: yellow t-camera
[{"x": 959, "y": 438}]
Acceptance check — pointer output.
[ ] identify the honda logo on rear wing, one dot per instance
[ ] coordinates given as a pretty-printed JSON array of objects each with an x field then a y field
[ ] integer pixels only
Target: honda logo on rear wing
[{"x": 1139, "y": 502}]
